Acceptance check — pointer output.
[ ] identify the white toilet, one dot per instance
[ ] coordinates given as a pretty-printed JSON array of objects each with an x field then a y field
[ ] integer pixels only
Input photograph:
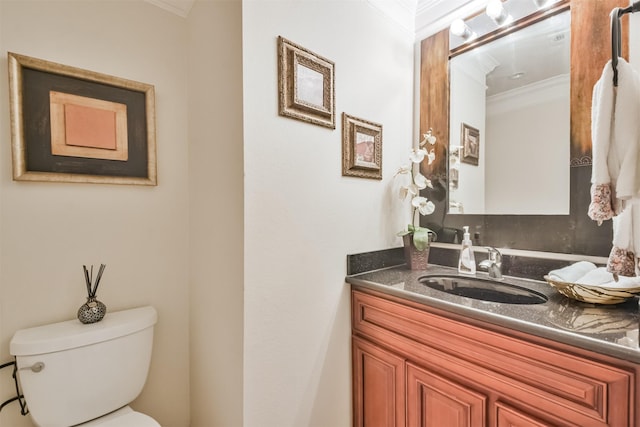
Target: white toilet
[{"x": 75, "y": 374}]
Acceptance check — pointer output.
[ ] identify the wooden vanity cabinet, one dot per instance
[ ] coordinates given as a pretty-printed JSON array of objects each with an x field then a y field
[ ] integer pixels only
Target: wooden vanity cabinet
[{"x": 414, "y": 365}]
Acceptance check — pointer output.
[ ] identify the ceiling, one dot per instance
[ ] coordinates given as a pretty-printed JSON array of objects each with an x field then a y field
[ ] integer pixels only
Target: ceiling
[
  {"x": 421, "y": 17},
  {"x": 425, "y": 17}
]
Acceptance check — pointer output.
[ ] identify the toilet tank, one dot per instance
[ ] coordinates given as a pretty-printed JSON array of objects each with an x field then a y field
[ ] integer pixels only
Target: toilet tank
[{"x": 87, "y": 370}]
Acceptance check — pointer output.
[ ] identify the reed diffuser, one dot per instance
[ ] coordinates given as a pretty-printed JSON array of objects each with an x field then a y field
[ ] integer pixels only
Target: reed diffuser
[{"x": 93, "y": 310}]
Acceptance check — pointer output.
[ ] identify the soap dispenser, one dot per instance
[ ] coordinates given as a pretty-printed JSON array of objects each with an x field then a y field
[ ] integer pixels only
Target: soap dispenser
[{"x": 467, "y": 262}]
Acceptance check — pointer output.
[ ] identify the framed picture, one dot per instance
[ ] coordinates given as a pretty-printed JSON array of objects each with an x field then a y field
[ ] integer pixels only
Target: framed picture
[
  {"x": 74, "y": 125},
  {"x": 361, "y": 148},
  {"x": 470, "y": 143},
  {"x": 305, "y": 84}
]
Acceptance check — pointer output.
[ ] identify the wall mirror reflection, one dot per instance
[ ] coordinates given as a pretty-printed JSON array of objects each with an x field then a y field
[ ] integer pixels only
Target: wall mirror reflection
[
  {"x": 515, "y": 93},
  {"x": 525, "y": 218}
]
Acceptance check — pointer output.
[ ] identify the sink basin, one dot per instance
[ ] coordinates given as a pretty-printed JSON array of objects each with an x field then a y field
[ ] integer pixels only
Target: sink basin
[{"x": 483, "y": 289}]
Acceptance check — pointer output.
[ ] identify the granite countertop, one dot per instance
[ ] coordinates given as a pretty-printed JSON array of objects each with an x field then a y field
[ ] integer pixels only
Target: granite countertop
[{"x": 606, "y": 329}]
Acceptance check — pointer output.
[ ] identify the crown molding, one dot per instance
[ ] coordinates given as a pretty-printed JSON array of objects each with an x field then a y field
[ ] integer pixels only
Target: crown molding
[
  {"x": 435, "y": 15},
  {"x": 420, "y": 17},
  {"x": 403, "y": 12},
  {"x": 426, "y": 17},
  {"x": 179, "y": 7}
]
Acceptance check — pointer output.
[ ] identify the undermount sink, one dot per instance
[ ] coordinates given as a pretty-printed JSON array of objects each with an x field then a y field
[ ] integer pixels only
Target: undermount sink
[{"x": 483, "y": 289}]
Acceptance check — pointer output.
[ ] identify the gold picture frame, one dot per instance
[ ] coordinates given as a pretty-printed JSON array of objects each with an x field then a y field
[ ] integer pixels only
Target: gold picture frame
[
  {"x": 361, "y": 148},
  {"x": 305, "y": 84},
  {"x": 470, "y": 144},
  {"x": 75, "y": 125}
]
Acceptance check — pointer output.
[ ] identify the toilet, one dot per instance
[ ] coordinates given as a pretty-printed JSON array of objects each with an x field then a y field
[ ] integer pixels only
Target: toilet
[{"x": 74, "y": 374}]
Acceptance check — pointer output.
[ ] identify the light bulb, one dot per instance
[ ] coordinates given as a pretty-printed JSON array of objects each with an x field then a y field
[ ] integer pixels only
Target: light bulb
[
  {"x": 541, "y": 3},
  {"x": 460, "y": 29},
  {"x": 495, "y": 10}
]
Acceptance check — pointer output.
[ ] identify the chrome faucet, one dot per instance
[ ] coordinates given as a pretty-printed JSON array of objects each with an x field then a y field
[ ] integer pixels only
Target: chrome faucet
[{"x": 493, "y": 264}]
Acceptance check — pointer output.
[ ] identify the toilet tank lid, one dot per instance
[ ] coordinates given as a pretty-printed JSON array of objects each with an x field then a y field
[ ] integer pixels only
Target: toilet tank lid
[{"x": 72, "y": 334}]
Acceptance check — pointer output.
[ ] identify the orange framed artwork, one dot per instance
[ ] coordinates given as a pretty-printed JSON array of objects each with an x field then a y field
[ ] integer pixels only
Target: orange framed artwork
[
  {"x": 74, "y": 125},
  {"x": 361, "y": 148}
]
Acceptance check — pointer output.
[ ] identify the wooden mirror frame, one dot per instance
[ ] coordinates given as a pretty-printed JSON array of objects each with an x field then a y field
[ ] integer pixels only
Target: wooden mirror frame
[{"x": 575, "y": 233}]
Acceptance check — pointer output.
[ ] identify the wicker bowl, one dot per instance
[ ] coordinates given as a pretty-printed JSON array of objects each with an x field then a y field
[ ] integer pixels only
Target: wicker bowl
[
  {"x": 602, "y": 320},
  {"x": 593, "y": 294}
]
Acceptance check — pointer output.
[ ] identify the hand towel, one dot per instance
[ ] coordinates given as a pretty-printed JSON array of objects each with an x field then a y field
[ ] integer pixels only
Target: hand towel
[
  {"x": 615, "y": 178},
  {"x": 601, "y": 207},
  {"x": 596, "y": 277},
  {"x": 571, "y": 273},
  {"x": 615, "y": 135},
  {"x": 626, "y": 133},
  {"x": 601, "y": 125},
  {"x": 601, "y": 277},
  {"x": 626, "y": 240}
]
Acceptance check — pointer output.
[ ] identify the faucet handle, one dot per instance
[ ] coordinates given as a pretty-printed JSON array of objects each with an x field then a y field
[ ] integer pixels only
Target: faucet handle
[{"x": 494, "y": 255}]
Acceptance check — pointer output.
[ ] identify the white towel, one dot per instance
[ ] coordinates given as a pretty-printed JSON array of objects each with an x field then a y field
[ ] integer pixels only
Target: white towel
[
  {"x": 626, "y": 131},
  {"x": 571, "y": 273},
  {"x": 615, "y": 139},
  {"x": 596, "y": 277},
  {"x": 601, "y": 119},
  {"x": 615, "y": 131},
  {"x": 626, "y": 228},
  {"x": 601, "y": 277}
]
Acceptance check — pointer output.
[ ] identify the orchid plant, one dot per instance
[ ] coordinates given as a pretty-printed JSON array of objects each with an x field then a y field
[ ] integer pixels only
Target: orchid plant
[{"x": 418, "y": 182}]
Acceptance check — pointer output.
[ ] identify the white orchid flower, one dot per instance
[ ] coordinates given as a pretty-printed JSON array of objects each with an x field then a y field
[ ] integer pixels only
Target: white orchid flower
[
  {"x": 404, "y": 191},
  {"x": 420, "y": 181},
  {"x": 428, "y": 138},
  {"x": 404, "y": 169},
  {"x": 416, "y": 183},
  {"x": 431, "y": 156},
  {"x": 410, "y": 190},
  {"x": 424, "y": 206},
  {"x": 417, "y": 156}
]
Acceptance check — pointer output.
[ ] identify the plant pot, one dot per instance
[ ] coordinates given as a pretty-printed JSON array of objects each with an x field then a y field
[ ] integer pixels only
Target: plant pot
[
  {"x": 91, "y": 311},
  {"x": 415, "y": 259}
]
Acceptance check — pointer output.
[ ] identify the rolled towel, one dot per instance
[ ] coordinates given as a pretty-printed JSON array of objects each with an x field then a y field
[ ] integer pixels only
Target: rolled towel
[
  {"x": 624, "y": 282},
  {"x": 601, "y": 277},
  {"x": 596, "y": 277},
  {"x": 573, "y": 272}
]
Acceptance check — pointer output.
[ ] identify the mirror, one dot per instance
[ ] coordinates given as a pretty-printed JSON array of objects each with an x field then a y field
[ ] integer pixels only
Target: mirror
[
  {"x": 568, "y": 233},
  {"x": 496, "y": 150}
]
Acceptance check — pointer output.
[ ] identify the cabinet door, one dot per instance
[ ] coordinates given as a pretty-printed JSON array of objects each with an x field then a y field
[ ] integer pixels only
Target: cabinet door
[
  {"x": 509, "y": 417},
  {"x": 435, "y": 401},
  {"x": 378, "y": 386}
]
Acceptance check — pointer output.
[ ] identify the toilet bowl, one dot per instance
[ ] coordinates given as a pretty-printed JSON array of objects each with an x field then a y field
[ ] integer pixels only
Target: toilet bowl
[{"x": 74, "y": 374}]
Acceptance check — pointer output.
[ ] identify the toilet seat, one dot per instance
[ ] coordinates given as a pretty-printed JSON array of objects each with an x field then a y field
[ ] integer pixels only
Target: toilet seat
[{"x": 124, "y": 417}]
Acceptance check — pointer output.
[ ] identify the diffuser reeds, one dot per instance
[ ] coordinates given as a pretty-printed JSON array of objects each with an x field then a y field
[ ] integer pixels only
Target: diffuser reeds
[{"x": 88, "y": 277}]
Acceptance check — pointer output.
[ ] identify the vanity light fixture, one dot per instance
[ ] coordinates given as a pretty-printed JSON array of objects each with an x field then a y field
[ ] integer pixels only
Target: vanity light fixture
[
  {"x": 541, "y": 4},
  {"x": 496, "y": 11},
  {"x": 460, "y": 29}
]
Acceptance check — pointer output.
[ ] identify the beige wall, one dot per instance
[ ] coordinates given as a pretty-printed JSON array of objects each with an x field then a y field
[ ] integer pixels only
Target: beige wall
[
  {"x": 216, "y": 201},
  {"x": 48, "y": 230},
  {"x": 301, "y": 216},
  {"x": 254, "y": 324}
]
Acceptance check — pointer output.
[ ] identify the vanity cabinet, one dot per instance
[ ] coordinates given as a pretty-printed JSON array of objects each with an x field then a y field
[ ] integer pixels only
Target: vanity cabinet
[{"x": 414, "y": 365}]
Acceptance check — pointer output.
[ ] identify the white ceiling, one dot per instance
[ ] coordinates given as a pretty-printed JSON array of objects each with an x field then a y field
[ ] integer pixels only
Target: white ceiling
[{"x": 421, "y": 17}]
